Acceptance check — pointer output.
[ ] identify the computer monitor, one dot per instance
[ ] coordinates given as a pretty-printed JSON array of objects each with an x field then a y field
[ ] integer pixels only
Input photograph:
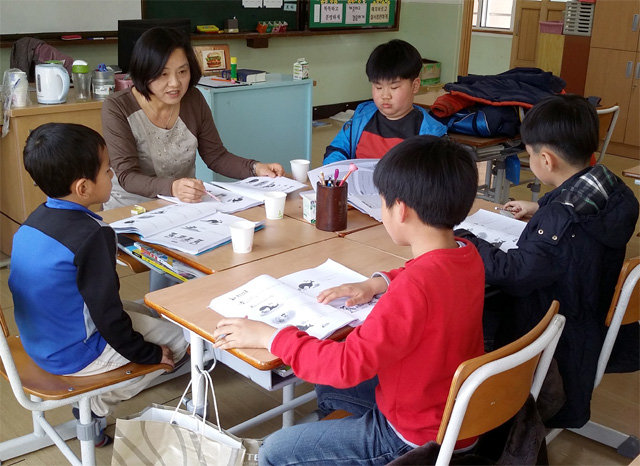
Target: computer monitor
[{"x": 129, "y": 30}]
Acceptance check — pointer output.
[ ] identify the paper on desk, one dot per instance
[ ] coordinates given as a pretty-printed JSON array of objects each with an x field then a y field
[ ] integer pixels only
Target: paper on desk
[
  {"x": 228, "y": 202},
  {"x": 503, "y": 232},
  {"x": 291, "y": 300},
  {"x": 362, "y": 193},
  {"x": 255, "y": 186}
]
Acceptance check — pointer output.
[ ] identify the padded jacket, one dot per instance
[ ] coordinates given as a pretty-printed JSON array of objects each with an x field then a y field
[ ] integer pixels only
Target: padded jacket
[{"x": 571, "y": 250}]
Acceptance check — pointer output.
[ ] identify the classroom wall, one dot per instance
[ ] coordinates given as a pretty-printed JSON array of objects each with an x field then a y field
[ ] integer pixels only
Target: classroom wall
[
  {"x": 489, "y": 53},
  {"x": 336, "y": 62}
]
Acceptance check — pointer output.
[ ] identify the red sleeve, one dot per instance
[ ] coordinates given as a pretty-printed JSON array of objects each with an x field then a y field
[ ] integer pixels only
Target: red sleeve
[{"x": 385, "y": 337}]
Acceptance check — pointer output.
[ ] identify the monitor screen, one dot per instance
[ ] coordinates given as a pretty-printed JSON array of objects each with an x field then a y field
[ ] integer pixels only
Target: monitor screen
[{"x": 130, "y": 29}]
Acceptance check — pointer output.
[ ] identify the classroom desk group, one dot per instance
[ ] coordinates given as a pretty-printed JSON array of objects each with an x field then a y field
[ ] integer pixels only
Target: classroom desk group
[{"x": 282, "y": 247}]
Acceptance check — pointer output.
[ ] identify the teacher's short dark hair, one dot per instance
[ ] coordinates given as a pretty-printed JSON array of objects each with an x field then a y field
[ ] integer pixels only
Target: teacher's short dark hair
[
  {"x": 150, "y": 55},
  {"x": 436, "y": 177},
  {"x": 57, "y": 154}
]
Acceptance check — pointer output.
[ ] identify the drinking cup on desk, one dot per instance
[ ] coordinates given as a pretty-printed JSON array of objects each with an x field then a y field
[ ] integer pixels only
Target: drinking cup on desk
[
  {"x": 242, "y": 236},
  {"x": 299, "y": 169},
  {"x": 274, "y": 204},
  {"x": 331, "y": 207},
  {"x": 82, "y": 84}
]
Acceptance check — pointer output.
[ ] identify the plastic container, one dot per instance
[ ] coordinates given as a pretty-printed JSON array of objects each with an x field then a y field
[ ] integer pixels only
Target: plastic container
[
  {"x": 103, "y": 84},
  {"x": 81, "y": 79},
  {"x": 551, "y": 27}
]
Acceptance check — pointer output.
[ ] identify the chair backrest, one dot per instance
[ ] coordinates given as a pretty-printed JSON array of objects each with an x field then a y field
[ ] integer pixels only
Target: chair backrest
[
  {"x": 624, "y": 309},
  {"x": 488, "y": 390},
  {"x": 608, "y": 118}
]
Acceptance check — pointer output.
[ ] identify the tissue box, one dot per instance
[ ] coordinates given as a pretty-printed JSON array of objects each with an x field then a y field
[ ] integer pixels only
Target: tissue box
[{"x": 309, "y": 206}]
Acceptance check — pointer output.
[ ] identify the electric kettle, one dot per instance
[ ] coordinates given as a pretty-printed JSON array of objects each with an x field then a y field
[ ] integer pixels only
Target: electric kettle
[{"x": 52, "y": 83}]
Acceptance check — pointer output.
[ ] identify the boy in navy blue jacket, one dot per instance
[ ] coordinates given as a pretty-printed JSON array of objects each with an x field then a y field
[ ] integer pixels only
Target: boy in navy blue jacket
[
  {"x": 63, "y": 279},
  {"x": 379, "y": 124},
  {"x": 571, "y": 250}
]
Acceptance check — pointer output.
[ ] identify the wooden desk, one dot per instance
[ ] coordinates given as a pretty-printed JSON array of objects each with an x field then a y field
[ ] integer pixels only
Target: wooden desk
[
  {"x": 186, "y": 304},
  {"x": 377, "y": 236},
  {"x": 18, "y": 195},
  {"x": 356, "y": 220},
  {"x": 633, "y": 172}
]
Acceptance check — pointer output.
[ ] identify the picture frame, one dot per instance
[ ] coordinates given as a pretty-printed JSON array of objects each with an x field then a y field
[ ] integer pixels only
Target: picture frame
[{"x": 213, "y": 59}]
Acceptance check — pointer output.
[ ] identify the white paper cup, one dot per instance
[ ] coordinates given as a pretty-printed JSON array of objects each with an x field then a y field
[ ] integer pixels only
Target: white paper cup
[
  {"x": 299, "y": 169},
  {"x": 274, "y": 204},
  {"x": 242, "y": 236}
]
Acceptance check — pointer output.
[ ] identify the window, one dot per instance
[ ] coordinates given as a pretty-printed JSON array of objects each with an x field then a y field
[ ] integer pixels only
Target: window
[{"x": 493, "y": 14}]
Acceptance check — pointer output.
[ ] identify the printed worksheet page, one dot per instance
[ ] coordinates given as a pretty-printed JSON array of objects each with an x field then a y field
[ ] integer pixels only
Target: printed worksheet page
[{"x": 501, "y": 231}]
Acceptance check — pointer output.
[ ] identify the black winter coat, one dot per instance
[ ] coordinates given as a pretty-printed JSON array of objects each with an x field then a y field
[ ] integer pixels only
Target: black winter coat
[{"x": 575, "y": 259}]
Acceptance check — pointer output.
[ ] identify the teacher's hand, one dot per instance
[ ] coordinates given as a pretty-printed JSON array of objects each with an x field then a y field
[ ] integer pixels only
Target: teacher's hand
[
  {"x": 269, "y": 169},
  {"x": 188, "y": 189}
]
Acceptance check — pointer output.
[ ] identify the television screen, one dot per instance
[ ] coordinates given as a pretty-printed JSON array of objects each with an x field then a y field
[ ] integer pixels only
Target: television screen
[{"x": 130, "y": 29}]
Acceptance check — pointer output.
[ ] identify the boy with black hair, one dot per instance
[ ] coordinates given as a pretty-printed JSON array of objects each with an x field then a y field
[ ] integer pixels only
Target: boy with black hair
[
  {"x": 379, "y": 124},
  {"x": 400, "y": 362},
  {"x": 63, "y": 278},
  {"x": 571, "y": 250}
]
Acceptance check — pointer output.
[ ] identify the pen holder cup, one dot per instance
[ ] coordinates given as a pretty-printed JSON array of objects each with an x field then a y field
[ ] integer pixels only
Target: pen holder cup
[{"x": 331, "y": 207}]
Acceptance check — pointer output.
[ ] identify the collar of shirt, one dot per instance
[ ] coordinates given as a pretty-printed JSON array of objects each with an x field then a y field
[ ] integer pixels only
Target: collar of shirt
[{"x": 68, "y": 205}]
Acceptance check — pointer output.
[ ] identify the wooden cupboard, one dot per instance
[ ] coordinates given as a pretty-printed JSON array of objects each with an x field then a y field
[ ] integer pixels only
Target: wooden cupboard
[{"x": 613, "y": 72}]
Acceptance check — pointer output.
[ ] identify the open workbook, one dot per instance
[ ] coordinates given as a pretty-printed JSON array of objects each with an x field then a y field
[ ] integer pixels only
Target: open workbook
[
  {"x": 291, "y": 300},
  {"x": 234, "y": 196},
  {"x": 362, "y": 193},
  {"x": 190, "y": 228},
  {"x": 501, "y": 231}
]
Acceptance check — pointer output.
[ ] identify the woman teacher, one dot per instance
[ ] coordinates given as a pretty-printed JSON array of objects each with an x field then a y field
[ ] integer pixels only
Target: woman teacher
[{"x": 154, "y": 128}]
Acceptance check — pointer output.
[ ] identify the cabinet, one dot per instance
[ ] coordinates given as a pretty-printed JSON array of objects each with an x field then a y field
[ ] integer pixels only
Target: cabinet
[
  {"x": 613, "y": 72},
  {"x": 19, "y": 196},
  {"x": 269, "y": 121}
]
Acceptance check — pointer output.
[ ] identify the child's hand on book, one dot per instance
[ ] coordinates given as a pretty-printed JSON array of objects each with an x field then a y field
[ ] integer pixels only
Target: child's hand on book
[
  {"x": 358, "y": 293},
  {"x": 242, "y": 333},
  {"x": 522, "y": 209}
]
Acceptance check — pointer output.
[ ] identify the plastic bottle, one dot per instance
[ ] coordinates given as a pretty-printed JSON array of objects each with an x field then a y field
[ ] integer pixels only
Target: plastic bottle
[{"x": 234, "y": 69}]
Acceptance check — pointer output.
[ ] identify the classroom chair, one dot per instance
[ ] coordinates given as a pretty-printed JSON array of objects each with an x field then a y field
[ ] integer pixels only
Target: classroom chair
[
  {"x": 608, "y": 117},
  {"x": 625, "y": 309},
  {"x": 48, "y": 391},
  {"x": 489, "y": 390}
]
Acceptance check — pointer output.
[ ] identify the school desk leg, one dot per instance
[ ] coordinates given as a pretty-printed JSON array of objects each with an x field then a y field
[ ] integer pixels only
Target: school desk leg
[
  {"x": 197, "y": 365},
  {"x": 287, "y": 396}
]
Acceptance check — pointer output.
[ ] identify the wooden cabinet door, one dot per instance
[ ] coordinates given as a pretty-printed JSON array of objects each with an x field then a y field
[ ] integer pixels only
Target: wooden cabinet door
[
  {"x": 526, "y": 28},
  {"x": 608, "y": 77},
  {"x": 632, "y": 132},
  {"x": 615, "y": 25}
]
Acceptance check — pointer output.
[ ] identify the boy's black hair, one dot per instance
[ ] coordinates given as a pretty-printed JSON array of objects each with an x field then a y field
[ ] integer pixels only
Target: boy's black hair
[
  {"x": 393, "y": 60},
  {"x": 57, "y": 154},
  {"x": 150, "y": 55},
  {"x": 436, "y": 177},
  {"x": 567, "y": 124}
]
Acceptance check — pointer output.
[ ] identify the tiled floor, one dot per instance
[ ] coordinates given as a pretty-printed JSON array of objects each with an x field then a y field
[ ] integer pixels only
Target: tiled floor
[{"x": 616, "y": 402}]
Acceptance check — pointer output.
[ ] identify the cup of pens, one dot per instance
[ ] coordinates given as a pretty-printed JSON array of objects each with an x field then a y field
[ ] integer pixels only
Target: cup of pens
[{"x": 331, "y": 206}]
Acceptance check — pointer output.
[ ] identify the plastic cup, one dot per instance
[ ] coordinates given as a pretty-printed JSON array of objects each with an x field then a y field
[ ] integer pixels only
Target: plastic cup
[
  {"x": 274, "y": 204},
  {"x": 299, "y": 169},
  {"x": 82, "y": 84},
  {"x": 242, "y": 236}
]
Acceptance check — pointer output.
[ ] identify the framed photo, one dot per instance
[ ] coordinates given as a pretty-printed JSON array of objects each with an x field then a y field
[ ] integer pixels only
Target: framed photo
[{"x": 212, "y": 58}]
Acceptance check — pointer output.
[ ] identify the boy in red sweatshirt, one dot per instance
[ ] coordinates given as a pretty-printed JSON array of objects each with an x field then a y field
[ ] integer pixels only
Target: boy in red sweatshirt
[{"x": 393, "y": 372}]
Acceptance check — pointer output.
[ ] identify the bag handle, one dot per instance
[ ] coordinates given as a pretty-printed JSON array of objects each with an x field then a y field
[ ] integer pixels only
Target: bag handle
[{"x": 208, "y": 383}]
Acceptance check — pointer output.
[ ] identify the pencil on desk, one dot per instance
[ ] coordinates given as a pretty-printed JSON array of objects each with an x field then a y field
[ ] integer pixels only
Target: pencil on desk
[{"x": 321, "y": 177}]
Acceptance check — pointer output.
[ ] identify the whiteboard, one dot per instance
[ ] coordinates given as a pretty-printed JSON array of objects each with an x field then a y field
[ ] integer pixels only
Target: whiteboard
[{"x": 64, "y": 16}]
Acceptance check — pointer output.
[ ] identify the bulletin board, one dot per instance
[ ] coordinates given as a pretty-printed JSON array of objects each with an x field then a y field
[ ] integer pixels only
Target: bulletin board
[
  {"x": 207, "y": 12},
  {"x": 347, "y": 14}
]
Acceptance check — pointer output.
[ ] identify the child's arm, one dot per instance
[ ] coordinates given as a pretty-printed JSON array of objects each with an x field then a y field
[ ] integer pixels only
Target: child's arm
[
  {"x": 358, "y": 293},
  {"x": 522, "y": 209},
  {"x": 340, "y": 147},
  {"x": 242, "y": 333}
]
